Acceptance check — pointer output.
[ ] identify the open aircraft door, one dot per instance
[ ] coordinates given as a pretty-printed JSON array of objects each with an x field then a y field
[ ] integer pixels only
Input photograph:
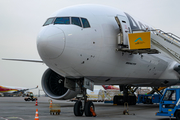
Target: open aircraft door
[{"x": 124, "y": 27}]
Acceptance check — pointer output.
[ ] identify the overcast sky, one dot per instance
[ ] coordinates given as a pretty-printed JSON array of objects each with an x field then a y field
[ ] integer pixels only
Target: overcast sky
[{"x": 21, "y": 20}]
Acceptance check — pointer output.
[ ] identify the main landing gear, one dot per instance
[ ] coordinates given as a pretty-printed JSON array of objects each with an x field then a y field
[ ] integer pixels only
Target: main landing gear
[{"x": 82, "y": 105}]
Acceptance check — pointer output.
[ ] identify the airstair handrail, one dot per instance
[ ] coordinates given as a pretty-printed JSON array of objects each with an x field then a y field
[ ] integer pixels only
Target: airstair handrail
[{"x": 171, "y": 35}]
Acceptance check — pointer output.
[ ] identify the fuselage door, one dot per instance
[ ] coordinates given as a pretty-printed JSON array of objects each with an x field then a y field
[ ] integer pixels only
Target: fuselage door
[{"x": 124, "y": 27}]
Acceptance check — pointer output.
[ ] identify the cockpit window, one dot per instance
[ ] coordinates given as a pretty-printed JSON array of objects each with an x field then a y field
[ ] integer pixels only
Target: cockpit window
[
  {"x": 85, "y": 23},
  {"x": 62, "y": 20},
  {"x": 76, "y": 21},
  {"x": 49, "y": 21},
  {"x": 81, "y": 22}
]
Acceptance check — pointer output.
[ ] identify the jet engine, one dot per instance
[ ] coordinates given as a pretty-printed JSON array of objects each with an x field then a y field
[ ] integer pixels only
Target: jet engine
[{"x": 53, "y": 86}]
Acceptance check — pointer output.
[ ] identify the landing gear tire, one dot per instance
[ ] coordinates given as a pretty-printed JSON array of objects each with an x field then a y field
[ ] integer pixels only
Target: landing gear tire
[
  {"x": 78, "y": 110},
  {"x": 87, "y": 108}
]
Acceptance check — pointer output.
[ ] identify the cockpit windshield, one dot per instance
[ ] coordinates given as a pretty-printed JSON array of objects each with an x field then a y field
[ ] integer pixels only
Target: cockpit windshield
[
  {"x": 76, "y": 21},
  {"x": 81, "y": 22},
  {"x": 85, "y": 23},
  {"x": 62, "y": 20},
  {"x": 49, "y": 21}
]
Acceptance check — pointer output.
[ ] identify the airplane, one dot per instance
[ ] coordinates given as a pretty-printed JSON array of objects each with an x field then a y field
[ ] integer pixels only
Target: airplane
[
  {"x": 7, "y": 90},
  {"x": 87, "y": 45},
  {"x": 110, "y": 87}
]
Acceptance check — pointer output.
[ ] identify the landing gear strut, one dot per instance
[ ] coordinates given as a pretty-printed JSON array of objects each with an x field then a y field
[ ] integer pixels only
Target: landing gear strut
[{"x": 82, "y": 105}]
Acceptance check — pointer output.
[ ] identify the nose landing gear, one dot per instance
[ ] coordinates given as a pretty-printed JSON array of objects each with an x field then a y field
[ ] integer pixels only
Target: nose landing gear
[
  {"x": 89, "y": 109},
  {"x": 82, "y": 105}
]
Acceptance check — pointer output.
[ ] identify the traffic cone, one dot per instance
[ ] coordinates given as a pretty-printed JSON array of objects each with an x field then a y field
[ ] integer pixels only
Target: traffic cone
[
  {"x": 50, "y": 106},
  {"x": 36, "y": 116},
  {"x": 36, "y": 104}
]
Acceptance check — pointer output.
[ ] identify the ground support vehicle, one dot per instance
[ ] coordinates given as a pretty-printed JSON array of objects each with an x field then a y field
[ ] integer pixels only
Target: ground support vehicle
[
  {"x": 119, "y": 100},
  {"x": 30, "y": 97},
  {"x": 170, "y": 103},
  {"x": 148, "y": 98}
]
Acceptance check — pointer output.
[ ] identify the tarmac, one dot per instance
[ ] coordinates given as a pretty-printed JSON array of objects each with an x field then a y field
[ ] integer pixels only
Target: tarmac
[{"x": 15, "y": 108}]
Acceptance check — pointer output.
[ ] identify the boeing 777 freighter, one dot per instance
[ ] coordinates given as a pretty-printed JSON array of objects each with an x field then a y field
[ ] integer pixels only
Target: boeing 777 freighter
[{"x": 87, "y": 45}]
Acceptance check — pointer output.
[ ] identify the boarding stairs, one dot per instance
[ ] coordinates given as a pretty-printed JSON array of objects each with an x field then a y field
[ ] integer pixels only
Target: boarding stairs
[
  {"x": 161, "y": 42},
  {"x": 167, "y": 43}
]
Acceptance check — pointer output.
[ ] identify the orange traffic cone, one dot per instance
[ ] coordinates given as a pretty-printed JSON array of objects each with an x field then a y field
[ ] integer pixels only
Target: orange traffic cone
[
  {"x": 36, "y": 116},
  {"x": 50, "y": 106},
  {"x": 36, "y": 104}
]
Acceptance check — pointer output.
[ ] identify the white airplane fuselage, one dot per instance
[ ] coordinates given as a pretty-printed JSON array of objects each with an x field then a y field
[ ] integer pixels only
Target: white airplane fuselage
[{"x": 76, "y": 52}]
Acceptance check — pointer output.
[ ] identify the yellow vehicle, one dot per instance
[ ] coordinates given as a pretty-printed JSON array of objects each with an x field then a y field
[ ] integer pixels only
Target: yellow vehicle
[{"x": 30, "y": 97}]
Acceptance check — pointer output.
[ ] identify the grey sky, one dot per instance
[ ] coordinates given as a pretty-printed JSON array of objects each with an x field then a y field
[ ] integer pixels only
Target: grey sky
[{"x": 21, "y": 20}]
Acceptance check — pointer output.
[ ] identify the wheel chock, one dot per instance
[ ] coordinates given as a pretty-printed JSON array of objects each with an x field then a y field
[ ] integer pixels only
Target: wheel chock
[
  {"x": 93, "y": 112},
  {"x": 125, "y": 112}
]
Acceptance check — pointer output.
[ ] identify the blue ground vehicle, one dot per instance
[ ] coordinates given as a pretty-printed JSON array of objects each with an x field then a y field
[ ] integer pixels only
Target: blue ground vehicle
[
  {"x": 149, "y": 98},
  {"x": 170, "y": 103}
]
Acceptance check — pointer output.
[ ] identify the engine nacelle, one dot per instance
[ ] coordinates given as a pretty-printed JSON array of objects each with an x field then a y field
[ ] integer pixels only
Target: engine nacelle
[{"x": 53, "y": 86}]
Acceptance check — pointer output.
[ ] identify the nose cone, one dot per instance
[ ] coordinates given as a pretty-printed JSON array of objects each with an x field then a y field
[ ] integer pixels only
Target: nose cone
[{"x": 50, "y": 42}]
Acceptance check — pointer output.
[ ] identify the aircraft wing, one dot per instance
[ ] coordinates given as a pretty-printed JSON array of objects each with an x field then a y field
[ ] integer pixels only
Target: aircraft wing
[
  {"x": 33, "y": 88},
  {"x": 23, "y": 90},
  {"x": 24, "y": 60}
]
